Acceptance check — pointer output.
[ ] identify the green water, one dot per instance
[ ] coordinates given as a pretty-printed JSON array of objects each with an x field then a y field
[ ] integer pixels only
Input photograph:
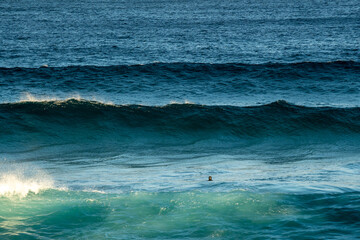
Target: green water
[{"x": 60, "y": 214}]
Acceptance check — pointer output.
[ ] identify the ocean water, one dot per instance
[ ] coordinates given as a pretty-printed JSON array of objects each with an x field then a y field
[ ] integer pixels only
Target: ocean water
[{"x": 113, "y": 114}]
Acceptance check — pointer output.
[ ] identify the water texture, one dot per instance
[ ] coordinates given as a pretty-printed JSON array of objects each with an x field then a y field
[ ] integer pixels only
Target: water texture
[
  {"x": 113, "y": 114},
  {"x": 89, "y": 32}
]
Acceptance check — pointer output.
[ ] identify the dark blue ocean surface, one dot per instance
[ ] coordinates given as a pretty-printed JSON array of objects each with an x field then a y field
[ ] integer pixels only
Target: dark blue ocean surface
[
  {"x": 108, "y": 32},
  {"x": 114, "y": 113}
]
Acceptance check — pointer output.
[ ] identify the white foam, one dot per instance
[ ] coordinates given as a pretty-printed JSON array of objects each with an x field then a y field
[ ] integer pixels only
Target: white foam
[
  {"x": 21, "y": 179},
  {"x": 11, "y": 185},
  {"x": 94, "y": 191},
  {"x": 184, "y": 102},
  {"x": 29, "y": 97}
]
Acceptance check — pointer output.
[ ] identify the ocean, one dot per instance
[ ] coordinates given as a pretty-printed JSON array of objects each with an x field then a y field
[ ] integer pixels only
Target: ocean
[{"x": 113, "y": 114}]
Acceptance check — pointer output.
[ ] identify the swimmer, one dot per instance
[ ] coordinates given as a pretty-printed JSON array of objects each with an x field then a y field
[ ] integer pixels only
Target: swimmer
[{"x": 210, "y": 178}]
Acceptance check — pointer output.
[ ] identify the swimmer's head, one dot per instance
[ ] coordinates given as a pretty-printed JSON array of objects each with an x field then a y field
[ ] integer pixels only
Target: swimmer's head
[{"x": 210, "y": 178}]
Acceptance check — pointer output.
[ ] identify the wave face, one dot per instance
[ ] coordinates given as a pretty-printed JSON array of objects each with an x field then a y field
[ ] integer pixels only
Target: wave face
[{"x": 92, "y": 122}]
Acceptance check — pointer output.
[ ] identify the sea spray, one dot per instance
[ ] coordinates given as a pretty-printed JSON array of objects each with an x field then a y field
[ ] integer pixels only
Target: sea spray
[
  {"x": 29, "y": 97},
  {"x": 18, "y": 180}
]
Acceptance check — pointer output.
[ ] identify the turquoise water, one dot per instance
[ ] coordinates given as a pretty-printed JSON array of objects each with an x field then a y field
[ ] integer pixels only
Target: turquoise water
[
  {"x": 195, "y": 215},
  {"x": 113, "y": 114},
  {"x": 89, "y": 199}
]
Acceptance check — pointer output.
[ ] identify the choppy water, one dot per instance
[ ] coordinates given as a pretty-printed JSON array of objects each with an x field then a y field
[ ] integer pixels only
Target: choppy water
[{"x": 142, "y": 101}]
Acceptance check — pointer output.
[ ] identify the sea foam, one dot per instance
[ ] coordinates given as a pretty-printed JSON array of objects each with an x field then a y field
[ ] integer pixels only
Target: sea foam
[{"x": 23, "y": 180}]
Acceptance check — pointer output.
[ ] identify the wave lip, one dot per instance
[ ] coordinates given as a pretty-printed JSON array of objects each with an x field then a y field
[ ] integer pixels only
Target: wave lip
[{"x": 278, "y": 117}]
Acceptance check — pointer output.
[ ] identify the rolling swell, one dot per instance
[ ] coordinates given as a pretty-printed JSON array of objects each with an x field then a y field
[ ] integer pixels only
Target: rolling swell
[
  {"x": 90, "y": 122},
  {"x": 330, "y": 83},
  {"x": 181, "y": 69}
]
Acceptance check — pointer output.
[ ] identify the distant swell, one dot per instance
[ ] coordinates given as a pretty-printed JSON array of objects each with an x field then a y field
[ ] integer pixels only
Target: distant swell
[
  {"x": 308, "y": 83},
  {"x": 184, "y": 67}
]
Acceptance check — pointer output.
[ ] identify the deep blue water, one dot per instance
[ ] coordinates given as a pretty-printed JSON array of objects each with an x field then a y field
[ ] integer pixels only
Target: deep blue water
[
  {"x": 114, "y": 113},
  {"x": 108, "y": 32}
]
